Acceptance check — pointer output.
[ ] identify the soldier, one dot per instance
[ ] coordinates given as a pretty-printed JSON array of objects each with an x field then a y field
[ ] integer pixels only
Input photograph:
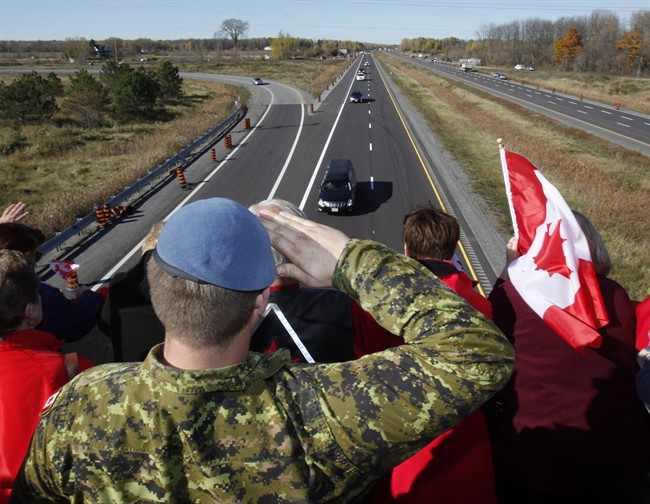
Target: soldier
[{"x": 203, "y": 420}]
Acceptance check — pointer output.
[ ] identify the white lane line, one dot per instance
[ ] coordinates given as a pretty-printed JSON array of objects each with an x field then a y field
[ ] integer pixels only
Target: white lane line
[
  {"x": 551, "y": 102},
  {"x": 138, "y": 247},
  {"x": 370, "y": 146},
  {"x": 627, "y": 118},
  {"x": 606, "y": 112},
  {"x": 590, "y": 108},
  {"x": 583, "y": 112},
  {"x": 572, "y": 102},
  {"x": 621, "y": 124},
  {"x": 322, "y": 154}
]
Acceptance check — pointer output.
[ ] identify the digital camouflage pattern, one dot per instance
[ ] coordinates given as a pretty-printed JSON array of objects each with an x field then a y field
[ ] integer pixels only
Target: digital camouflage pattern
[{"x": 267, "y": 430}]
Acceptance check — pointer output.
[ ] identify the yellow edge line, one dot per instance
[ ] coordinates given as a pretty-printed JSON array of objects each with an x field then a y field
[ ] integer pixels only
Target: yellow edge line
[{"x": 424, "y": 168}]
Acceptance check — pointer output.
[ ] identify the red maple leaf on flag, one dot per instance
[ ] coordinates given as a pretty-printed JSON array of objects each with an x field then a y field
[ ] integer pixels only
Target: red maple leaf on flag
[{"x": 551, "y": 256}]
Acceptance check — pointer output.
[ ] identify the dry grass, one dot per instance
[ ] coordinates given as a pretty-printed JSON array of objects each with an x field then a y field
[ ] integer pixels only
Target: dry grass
[
  {"x": 63, "y": 172},
  {"x": 605, "y": 182}
]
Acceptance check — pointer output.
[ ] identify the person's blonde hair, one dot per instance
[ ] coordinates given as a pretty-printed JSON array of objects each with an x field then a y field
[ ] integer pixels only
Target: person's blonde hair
[{"x": 599, "y": 254}]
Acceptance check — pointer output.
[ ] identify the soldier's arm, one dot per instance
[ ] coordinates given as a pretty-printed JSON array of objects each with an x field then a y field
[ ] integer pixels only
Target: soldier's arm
[{"x": 385, "y": 406}]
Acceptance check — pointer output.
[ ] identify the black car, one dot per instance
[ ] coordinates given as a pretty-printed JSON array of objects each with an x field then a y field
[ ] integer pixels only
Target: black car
[
  {"x": 356, "y": 97},
  {"x": 338, "y": 189}
]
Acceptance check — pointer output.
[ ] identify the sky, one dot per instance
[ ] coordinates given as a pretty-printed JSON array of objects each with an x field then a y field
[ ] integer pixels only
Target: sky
[{"x": 375, "y": 21}]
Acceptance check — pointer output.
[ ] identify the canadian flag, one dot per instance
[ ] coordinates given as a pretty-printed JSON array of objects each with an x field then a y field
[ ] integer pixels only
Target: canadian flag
[
  {"x": 65, "y": 269},
  {"x": 554, "y": 275}
]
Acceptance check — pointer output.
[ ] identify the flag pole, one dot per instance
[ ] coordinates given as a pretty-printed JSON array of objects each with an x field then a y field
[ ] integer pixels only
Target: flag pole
[{"x": 506, "y": 181}]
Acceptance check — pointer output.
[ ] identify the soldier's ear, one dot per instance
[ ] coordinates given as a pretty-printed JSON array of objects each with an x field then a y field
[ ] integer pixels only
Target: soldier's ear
[{"x": 406, "y": 250}]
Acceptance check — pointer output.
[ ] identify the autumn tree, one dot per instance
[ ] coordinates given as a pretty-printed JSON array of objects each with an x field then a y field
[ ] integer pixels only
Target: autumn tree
[
  {"x": 632, "y": 48},
  {"x": 567, "y": 48},
  {"x": 282, "y": 46}
]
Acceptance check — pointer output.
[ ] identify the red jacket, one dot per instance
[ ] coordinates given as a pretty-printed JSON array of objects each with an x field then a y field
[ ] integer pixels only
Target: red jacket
[
  {"x": 31, "y": 369},
  {"x": 456, "y": 467}
]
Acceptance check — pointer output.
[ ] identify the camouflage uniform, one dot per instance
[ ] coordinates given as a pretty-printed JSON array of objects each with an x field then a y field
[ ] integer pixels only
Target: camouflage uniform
[{"x": 267, "y": 430}]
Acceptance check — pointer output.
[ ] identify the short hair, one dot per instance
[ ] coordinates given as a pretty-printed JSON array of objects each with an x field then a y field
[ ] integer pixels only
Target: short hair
[
  {"x": 429, "y": 232},
  {"x": 198, "y": 314},
  {"x": 16, "y": 236},
  {"x": 19, "y": 286},
  {"x": 599, "y": 254},
  {"x": 285, "y": 205}
]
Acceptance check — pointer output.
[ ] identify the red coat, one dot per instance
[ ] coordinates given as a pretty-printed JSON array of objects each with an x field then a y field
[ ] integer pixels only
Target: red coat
[
  {"x": 31, "y": 369},
  {"x": 456, "y": 467}
]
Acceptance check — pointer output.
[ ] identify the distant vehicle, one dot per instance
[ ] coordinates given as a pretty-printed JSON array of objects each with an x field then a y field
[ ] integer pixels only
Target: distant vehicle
[
  {"x": 531, "y": 68},
  {"x": 495, "y": 75},
  {"x": 367, "y": 63},
  {"x": 338, "y": 188},
  {"x": 503, "y": 77},
  {"x": 361, "y": 76},
  {"x": 466, "y": 67},
  {"x": 356, "y": 97},
  {"x": 520, "y": 67},
  {"x": 144, "y": 59},
  {"x": 257, "y": 81}
]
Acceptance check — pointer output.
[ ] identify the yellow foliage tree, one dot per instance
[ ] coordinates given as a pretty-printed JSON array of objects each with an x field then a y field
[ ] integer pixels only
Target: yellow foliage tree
[
  {"x": 568, "y": 47},
  {"x": 282, "y": 46},
  {"x": 631, "y": 45}
]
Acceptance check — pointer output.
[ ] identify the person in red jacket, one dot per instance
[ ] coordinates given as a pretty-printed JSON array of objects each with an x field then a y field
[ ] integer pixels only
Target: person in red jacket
[
  {"x": 456, "y": 467},
  {"x": 31, "y": 366}
]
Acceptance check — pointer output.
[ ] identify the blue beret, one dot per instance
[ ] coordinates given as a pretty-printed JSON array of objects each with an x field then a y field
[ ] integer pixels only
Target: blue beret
[{"x": 217, "y": 241}]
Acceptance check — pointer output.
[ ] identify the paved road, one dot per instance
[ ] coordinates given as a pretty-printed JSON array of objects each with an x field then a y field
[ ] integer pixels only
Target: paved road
[
  {"x": 625, "y": 127},
  {"x": 399, "y": 165}
]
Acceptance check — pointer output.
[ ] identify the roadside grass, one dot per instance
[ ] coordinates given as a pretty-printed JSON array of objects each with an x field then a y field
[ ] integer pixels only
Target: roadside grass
[
  {"x": 607, "y": 183},
  {"x": 61, "y": 173}
]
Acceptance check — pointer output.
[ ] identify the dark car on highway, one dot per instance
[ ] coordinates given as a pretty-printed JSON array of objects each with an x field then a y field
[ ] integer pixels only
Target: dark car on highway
[
  {"x": 338, "y": 189},
  {"x": 356, "y": 97}
]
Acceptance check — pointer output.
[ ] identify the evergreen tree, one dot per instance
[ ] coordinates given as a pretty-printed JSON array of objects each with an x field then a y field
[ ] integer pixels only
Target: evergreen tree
[
  {"x": 86, "y": 98},
  {"x": 169, "y": 82},
  {"x": 30, "y": 99}
]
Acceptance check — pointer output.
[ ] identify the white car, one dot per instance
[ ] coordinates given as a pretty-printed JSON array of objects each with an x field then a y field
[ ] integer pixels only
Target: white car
[{"x": 361, "y": 76}]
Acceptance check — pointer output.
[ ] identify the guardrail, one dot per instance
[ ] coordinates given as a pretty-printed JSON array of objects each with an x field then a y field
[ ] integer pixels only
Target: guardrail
[{"x": 184, "y": 157}]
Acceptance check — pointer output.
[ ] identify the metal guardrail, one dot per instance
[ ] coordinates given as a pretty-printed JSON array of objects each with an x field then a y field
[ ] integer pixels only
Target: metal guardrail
[{"x": 184, "y": 157}]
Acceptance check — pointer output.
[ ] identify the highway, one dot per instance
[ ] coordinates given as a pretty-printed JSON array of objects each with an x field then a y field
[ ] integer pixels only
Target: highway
[
  {"x": 624, "y": 127},
  {"x": 284, "y": 154}
]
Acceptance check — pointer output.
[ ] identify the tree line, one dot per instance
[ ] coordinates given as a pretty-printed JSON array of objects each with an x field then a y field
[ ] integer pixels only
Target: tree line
[
  {"x": 121, "y": 92},
  {"x": 599, "y": 43}
]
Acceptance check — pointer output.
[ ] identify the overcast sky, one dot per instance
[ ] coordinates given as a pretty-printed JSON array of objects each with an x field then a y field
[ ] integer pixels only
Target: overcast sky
[{"x": 378, "y": 21}]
